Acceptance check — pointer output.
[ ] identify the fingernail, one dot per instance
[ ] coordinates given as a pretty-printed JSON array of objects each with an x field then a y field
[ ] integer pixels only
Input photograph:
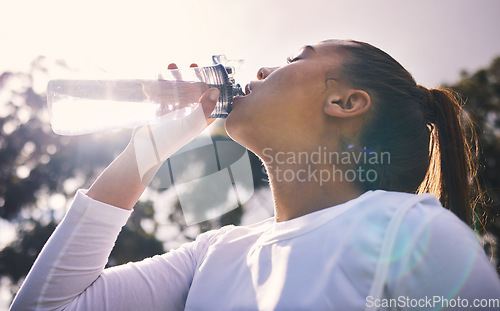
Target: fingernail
[{"x": 213, "y": 95}]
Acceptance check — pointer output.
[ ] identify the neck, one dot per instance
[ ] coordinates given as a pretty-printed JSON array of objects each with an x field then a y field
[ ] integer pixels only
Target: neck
[{"x": 300, "y": 189}]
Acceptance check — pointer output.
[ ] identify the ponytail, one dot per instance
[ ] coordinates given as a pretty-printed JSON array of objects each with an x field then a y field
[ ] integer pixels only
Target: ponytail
[
  {"x": 426, "y": 132},
  {"x": 451, "y": 170}
]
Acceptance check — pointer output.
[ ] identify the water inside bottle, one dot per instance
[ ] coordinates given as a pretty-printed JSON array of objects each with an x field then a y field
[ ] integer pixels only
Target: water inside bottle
[{"x": 86, "y": 106}]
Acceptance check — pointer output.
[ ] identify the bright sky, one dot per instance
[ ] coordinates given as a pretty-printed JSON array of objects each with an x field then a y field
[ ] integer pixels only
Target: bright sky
[{"x": 434, "y": 40}]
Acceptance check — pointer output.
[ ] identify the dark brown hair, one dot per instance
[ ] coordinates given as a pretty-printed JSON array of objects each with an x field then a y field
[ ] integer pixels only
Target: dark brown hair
[{"x": 421, "y": 129}]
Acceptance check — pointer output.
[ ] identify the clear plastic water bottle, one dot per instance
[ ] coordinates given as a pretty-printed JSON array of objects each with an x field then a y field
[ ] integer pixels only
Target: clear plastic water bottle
[{"x": 87, "y": 106}]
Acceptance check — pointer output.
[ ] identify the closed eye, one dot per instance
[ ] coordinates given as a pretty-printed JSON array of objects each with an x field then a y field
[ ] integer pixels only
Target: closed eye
[
  {"x": 290, "y": 60},
  {"x": 301, "y": 55}
]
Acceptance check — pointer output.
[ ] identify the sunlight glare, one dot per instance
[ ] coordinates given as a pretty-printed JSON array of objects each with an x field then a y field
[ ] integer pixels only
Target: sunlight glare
[{"x": 71, "y": 115}]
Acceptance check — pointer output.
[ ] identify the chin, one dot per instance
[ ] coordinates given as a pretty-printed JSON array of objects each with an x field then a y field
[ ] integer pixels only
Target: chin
[
  {"x": 239, "y": 131},
  {"x": 233, "y": 127},
  {"x": 244, "y": 122}
]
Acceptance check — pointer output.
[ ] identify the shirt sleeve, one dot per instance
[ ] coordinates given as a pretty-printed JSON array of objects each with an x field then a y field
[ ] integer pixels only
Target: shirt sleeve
[
  {"x": 440, "y": 263},
  {"x": 69, "y": 272}
]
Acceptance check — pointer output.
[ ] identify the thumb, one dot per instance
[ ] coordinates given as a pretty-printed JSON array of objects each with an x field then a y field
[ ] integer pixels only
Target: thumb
[{"x": 208, "y": 101}]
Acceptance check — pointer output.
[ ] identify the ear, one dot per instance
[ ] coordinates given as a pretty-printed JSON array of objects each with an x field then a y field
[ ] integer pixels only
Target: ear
[{"x": 352, "y": 104}]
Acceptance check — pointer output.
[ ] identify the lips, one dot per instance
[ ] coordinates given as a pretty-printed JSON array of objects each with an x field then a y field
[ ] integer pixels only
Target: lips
[{"x": 248, "y": 89}]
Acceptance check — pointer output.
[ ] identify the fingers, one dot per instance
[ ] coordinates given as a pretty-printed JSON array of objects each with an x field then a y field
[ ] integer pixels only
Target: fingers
[
  {"x": 208, "y": 101},
  {"x": 155, "y": 143},
  {"x": 172, "y": 66},
  {"x": 176, "y": 75}
]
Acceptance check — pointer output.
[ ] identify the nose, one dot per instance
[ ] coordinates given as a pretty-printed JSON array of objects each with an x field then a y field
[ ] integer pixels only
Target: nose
[{"x": 264, "y": 72}]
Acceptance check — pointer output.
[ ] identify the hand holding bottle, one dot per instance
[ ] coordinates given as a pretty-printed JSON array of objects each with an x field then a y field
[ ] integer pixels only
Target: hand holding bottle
[
  {"x": 123, "y": 181},
  {"x": 176, "y": 93},
  {"x": 153, "y": 144}
]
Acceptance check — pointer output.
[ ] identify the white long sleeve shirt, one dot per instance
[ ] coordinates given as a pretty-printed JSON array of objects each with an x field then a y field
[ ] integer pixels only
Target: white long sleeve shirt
[{"x": 382, "y": 249}]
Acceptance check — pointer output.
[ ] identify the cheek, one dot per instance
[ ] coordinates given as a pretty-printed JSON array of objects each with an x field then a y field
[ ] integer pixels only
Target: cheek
[
  {"x": 283, "y": 105},
  {"x": 296, "y": 90}
]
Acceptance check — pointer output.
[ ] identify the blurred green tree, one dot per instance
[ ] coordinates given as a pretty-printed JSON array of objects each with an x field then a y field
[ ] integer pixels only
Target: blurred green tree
[
  {"x": 481, "y": 94},
  {"x": 40, "y": 172}
]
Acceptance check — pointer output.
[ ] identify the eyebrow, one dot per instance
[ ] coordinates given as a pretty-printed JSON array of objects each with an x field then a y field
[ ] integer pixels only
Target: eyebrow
[{"x": 308, "y": 47}]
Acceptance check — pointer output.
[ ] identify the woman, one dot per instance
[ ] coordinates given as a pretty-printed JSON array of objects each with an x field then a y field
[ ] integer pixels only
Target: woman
[{"x": 356, "y": 238}]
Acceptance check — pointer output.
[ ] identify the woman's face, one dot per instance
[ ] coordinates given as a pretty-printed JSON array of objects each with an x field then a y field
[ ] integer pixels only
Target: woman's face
[{"x": 283, "y": 109}]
